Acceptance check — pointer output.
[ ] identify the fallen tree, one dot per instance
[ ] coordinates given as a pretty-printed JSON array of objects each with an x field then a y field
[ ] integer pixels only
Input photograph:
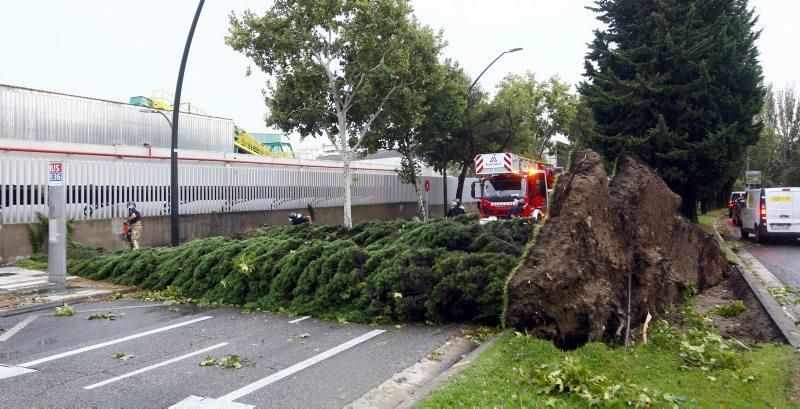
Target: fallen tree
[
  {"x": 605, "y": 245},
  {"x": 441, "y": 270}
]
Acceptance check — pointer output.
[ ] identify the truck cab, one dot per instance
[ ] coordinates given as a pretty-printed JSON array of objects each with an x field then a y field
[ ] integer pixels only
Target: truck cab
[
  {"x": 511, "y": 186},
  {"x": 772, "y": 212}
]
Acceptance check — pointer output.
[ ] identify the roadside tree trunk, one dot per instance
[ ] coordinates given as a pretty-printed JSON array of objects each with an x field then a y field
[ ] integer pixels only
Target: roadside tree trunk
[
  {"x": 347, "y": 180},
  {"x": 412, "y": 173},
  {"x": 462, "y": 176}
]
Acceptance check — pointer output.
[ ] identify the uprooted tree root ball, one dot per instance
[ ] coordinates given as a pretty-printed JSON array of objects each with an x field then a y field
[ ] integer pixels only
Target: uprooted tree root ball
[
  {"x": 441, "y": 270},
  {"x": 601, "y": 239}
]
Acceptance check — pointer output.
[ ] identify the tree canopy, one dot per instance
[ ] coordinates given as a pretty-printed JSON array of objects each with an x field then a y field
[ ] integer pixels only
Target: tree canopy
[
  {"x": 335, "y": 66},
  {"x": 678, "y": 83}
]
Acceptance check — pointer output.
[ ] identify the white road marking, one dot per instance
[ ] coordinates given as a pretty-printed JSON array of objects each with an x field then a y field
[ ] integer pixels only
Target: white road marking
[
  {"x": 126, "y": 308},
  {"x": 196, "y": 402},
  {"x": 12, "y": 371},
  {"x": 16, "y": 328},
  {"x": 158, "y": 365},
  {"x": 299, "y": 319},
  {"x": 23, "y": 284},
  {"x": 298, "y": 367},
  {"x": 112, "y": 342}
]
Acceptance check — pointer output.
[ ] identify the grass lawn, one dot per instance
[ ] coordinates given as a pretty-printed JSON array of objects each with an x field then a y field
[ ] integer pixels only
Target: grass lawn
[
  {"x": 706, "y": 221},
  {"x": 504, "y": 376}
]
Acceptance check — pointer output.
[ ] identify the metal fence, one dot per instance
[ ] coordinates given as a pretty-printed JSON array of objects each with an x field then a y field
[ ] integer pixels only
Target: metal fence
[{"x": 100, "y": 188}]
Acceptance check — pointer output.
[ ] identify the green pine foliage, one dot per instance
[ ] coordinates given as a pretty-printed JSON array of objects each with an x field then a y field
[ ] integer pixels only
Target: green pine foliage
[
  {"x": 677, "y": 82},
  {"x": 441, "y": 270}
]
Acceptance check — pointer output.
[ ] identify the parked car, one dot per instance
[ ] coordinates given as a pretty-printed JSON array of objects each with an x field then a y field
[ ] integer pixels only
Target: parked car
[
  {"x": 732, "y": 202},
  {"x": 773, "y": 212}
]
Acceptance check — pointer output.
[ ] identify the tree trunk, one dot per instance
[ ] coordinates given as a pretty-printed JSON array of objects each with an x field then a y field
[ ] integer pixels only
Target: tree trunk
[
  {"x": 348, "y": 182},
  {"x": 689, "y": 204},
  {"x": 461, "y": 177},
  {"x": 420, "y": 204}
]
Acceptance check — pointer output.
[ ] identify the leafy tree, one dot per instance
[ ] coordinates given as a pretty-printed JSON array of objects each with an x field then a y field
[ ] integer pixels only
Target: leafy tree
[
  {"x": 422, "y": 114},
  {"x": 677, "y": 82},
  {"x": 777, "y": 153},
  {"x": 542, "y": 108},
  {"x": 334, "y": 67}
]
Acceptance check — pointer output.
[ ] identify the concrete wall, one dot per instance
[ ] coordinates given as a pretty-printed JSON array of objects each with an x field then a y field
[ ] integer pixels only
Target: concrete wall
[{"x": 14, "y": 243}]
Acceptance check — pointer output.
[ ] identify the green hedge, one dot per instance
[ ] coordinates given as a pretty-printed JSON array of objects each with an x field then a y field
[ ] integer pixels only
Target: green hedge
[{"x": 441, "y": 270}]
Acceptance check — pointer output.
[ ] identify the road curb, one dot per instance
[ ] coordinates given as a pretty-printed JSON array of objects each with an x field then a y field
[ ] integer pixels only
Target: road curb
[
  {"x": 453, "y": 370},
  {"x": 409, "y": 386},
  {"x": 8, "y": 312},
  {"x": 785, "y": 326}
]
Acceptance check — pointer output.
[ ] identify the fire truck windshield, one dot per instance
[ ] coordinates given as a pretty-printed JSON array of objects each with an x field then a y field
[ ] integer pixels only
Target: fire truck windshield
[{"x": 503, "y": 190}]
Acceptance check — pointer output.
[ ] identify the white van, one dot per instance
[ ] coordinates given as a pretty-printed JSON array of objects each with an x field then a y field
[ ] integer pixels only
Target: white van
[{"x": 773, "y": 212}]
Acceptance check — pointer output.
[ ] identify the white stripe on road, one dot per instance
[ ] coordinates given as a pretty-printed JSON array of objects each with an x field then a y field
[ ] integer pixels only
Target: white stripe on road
[
  {"x": 112, "y": 342},
  {"x": 23, "y": 284},
  {"x": 22, "y": 324},
  {"x": 158, "y": 365},
  {"x": 126, "y": 308},
  {"x": 299, "y": 319},
  {"x": 298, "y": 367},
  {"x": 12, "y": 371}
]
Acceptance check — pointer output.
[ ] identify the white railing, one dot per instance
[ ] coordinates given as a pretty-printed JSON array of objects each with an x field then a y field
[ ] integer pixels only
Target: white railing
[{"x": 99, "y": 188}]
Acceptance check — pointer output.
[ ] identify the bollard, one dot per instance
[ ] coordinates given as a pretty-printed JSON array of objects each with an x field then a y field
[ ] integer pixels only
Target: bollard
[{"x": 57, "y": 222}]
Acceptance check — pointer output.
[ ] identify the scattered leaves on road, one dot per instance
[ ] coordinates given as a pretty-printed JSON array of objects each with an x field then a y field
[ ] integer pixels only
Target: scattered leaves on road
[
  {"x": 228, "y": 361},
  {"x": 122, "y": 357},
  {"x": 208, "y": 361},
  {"x": 116, "y": 295},
  {"x": 109, "y": 315},
  {"x": 64, "y": 311}
]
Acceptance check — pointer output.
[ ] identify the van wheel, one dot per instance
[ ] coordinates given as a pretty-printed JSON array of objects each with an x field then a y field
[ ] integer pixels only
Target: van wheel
[
  {"x": 760, "y": 236},
  {"x": 743, "y": 234}
]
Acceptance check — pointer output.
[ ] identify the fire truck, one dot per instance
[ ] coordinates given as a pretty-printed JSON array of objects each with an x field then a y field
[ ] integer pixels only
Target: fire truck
[{"x": 511, "y": 186}]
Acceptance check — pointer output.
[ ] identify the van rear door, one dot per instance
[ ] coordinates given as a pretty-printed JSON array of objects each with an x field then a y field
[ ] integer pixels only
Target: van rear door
[{"x": 783, "y": 210}]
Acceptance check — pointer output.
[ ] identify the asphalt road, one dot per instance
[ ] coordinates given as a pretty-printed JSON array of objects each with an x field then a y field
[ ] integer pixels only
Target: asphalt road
[
  {"x": 780, "y": 257},
  {"x": 69, "y": 361}
]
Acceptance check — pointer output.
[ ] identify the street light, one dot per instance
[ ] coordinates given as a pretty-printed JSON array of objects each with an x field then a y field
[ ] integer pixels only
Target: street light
[
  {"x": 175, "y": 238},
  {"x": 444, "y": 168},
  {"x": 156, "y": 111}
]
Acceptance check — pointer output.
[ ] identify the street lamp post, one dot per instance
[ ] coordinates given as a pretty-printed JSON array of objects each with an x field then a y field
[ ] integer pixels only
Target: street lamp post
[
  {"x": 176, "y": 106},
  {"x": 444, "y": 168},
  {"x": 156, "y": 111}
]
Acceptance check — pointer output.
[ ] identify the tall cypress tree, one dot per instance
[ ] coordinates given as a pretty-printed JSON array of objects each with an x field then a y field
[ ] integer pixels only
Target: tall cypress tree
[{"x": 677, "y": 82}]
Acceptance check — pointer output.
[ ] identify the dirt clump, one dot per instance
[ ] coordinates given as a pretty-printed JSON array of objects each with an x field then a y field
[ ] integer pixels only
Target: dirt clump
[
  {"x": 600, "y": 238},
  {"x": 752, "y": 326}
]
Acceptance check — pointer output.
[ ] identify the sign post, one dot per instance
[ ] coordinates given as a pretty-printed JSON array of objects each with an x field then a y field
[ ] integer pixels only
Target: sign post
[
  {"x": 57, "y": 222},
  {"x": 427, "y": 186}
]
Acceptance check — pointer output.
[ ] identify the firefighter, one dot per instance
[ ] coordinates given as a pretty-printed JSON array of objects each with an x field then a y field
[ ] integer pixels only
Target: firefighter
[{"x": 135, "y": 223}]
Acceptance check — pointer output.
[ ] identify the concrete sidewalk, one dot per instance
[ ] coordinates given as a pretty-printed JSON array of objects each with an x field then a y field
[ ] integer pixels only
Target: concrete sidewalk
[{"x": 26, "y": 290}]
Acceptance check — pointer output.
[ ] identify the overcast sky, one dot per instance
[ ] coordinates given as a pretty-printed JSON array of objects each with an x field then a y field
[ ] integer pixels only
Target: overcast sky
[{"x": 118, "y": 49}]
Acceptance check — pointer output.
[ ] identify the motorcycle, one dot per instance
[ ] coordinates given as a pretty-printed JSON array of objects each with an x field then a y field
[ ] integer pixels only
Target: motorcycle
[
  {"x": 456, "y": 209},
  {"x": 297, "y": 219}
]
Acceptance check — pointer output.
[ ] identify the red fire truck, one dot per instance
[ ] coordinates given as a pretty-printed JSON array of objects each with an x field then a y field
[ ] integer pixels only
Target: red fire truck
[{"x": 511, "y": 186}]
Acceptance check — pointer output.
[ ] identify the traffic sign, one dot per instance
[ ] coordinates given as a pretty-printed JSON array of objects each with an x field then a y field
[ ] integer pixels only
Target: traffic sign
[
  {"x": 56, "y": 173},
  {"x": 752, "y": 177},
  {"x": 427, "y": 185}
]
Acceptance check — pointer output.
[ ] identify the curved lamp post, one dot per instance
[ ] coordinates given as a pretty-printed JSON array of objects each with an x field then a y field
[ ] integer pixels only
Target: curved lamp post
[
  {"x": 176, "y": 107},
  {"x": 444, "y": 168}
]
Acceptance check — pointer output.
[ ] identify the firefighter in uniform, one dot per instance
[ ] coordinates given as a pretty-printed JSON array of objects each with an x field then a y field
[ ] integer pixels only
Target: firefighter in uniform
[{"x": 135, "y": 223}]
